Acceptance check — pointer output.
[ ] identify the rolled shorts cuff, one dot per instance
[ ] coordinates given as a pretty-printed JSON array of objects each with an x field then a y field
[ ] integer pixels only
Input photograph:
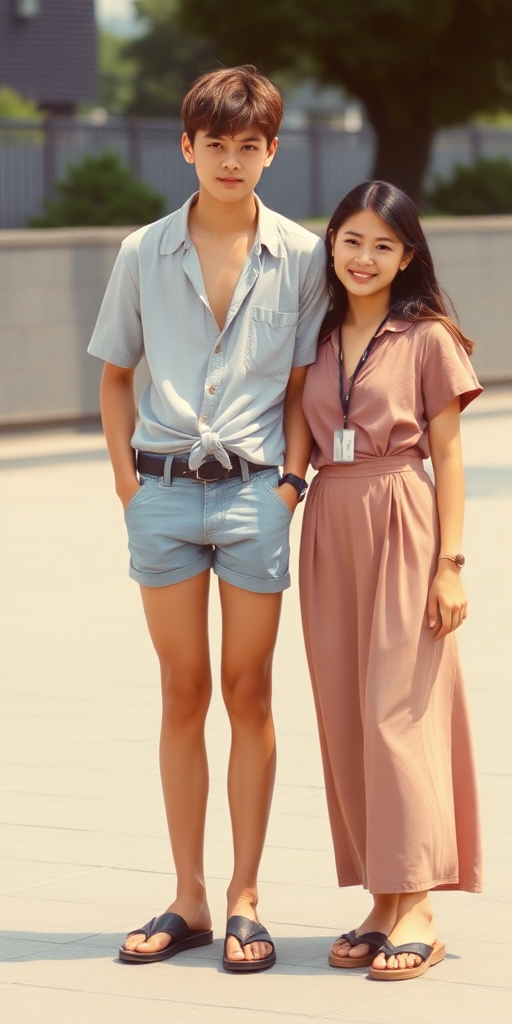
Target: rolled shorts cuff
[
  {"x": 274, "y": 585},
  {"x": 170, "y": 576}
]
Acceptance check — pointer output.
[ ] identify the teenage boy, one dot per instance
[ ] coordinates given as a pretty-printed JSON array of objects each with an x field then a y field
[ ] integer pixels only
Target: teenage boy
[{"x": 225, "y": 299}]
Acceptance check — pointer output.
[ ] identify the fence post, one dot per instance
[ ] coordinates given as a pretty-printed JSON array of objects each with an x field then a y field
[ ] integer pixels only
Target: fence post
[
  {"x": 475, "y": 142},
  {"x": 315, "y": 168},
  {"x": 49, "y": 156},
  {"x": 134, "y": 145}
]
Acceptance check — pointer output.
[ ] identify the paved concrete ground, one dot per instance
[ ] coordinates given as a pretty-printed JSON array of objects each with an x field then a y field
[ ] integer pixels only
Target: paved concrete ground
[{"x": 86, "y": 855}]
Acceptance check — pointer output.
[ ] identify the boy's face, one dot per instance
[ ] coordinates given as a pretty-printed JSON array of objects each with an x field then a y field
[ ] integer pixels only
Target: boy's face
[{"x": 228, "y": 168}]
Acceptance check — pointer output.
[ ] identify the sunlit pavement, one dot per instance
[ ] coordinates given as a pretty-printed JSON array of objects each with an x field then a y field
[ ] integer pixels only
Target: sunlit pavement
[{"x": 86, "y": 856}]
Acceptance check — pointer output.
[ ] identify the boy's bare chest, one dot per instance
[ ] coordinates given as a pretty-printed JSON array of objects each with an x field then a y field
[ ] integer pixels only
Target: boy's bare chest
[{"x": 221, "y": 266}]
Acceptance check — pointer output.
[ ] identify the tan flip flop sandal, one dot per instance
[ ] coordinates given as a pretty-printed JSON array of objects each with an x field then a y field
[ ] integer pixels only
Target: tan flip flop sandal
[
  {"x": 372, "y": 939},
  {"x": 431, "y": 955}
]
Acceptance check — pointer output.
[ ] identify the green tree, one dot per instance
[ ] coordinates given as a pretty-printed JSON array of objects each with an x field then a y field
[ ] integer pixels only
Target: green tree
[
  {"x": 483, "y": 188},
  {"x": 100, "y": 191},
  {"x": 417, "y": 65},
  {"x": 168, "y": 60},
  {"x": 16, "y": 107},
  {"x": 117, "y": 73}
]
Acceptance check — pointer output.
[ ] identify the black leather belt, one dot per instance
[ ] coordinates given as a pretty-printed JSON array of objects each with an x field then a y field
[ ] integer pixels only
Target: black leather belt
[{"x": 209, "y": 472}]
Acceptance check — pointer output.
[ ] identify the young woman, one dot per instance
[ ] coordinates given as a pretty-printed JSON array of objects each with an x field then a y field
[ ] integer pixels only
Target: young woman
[{"x": 381, "y": 585}]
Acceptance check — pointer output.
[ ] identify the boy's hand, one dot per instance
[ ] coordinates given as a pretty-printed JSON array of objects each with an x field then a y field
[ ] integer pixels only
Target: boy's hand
[
  {"x": 288, "y": 494},
  {"x": 127, "y": 490},
  {"x": 447, "y": 604}
]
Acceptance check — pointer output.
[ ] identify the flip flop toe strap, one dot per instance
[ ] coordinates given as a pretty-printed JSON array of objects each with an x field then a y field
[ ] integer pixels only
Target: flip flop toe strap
[
  {"x": 372, "y": 939},
  {"x": 171, "y": 924},
  {"x": 417, "y": 948},
  {"x": 247, "y": 931}
]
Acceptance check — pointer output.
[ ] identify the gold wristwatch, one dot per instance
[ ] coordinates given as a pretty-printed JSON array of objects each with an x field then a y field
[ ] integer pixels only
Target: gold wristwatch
[{"x": 458, "y": 559}]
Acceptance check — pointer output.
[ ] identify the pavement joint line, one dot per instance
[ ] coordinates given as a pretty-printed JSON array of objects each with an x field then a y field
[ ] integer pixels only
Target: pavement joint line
[
  {"x": 106, "y": 867},
  {"x": 49, "y": 881},
  {"x": 277, "y": 1014}
]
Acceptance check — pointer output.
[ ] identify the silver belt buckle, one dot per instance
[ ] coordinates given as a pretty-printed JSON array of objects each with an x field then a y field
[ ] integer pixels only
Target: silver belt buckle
[{"x": 211, "y": 479}]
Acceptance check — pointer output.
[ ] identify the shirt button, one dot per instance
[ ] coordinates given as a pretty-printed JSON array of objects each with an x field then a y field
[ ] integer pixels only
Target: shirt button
[
  {"x": 211, "y": 389},
  {"x": 217, "y": 349}
]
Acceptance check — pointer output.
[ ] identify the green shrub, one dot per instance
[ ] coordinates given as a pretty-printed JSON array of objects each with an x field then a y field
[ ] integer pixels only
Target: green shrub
[
  {"x": 16, "y": 107},
  {"x": 485, "y": 187},
  {"x": 100, "y": 191}
]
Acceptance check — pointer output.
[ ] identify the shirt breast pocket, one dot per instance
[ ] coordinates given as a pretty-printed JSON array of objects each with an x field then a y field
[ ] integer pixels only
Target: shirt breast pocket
[{"x": 270, "y": 342}]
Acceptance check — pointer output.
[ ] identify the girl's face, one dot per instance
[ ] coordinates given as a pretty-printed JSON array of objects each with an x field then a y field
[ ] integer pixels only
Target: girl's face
[{"x": 367, "y": 255}]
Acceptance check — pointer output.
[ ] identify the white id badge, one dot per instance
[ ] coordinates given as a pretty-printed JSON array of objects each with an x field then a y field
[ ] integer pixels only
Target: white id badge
[{"x": 344, "y": 445}]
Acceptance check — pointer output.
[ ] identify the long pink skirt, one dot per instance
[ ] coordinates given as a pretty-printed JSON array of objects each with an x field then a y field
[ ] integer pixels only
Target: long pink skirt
[{"x": 390, "y": 700}]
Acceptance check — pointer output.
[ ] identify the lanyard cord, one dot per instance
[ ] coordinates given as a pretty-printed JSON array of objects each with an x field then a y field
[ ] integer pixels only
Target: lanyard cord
[{"x": 345, "y": 397}]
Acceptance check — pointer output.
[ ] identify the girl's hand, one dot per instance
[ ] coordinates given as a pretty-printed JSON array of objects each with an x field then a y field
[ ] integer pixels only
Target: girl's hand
[{"x": 447, "y": 604}]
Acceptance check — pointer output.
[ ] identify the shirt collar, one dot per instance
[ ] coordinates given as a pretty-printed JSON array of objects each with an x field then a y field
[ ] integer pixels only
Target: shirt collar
[
  {"x": 267, "y": 233},
  {"x": 176, "y": 232},
  {"x": 395, "y": 325}
]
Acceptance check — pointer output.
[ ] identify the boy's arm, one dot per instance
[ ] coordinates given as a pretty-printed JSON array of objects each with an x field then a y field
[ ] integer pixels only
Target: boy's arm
[
  {"x": 298, "y": 439},
  {"x": 117, "y": 399}
]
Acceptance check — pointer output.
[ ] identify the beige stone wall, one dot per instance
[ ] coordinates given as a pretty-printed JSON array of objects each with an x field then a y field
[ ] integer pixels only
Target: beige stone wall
[
  {"x": 473, "y": 260},
  {"x": 52, "y": 282}
]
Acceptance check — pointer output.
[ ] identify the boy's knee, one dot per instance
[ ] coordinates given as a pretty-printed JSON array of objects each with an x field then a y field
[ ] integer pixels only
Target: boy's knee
[
  {"x": 248, "y": 698},
  {"x": 185, "y": 698}
]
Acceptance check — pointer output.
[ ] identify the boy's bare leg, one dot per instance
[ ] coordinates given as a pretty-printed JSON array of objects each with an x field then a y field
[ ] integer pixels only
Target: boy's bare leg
[
  {"x": 177, "y": 618},
  {"x": 249, "y": 631}
]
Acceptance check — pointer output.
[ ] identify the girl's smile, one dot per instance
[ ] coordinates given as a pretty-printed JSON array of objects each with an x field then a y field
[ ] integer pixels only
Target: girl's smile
[{"x": 367, "y": 254}]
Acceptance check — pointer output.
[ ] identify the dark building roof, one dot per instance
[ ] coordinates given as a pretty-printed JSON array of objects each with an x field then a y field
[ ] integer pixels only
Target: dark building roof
[{"x": 48, "y": 50}]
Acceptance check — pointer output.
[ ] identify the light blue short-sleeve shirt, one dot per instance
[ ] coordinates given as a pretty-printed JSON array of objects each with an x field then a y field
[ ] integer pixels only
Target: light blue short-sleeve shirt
[{"x": 212, "y": 391}]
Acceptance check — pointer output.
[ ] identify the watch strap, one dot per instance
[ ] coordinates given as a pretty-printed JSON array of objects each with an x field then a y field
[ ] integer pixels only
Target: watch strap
[{"x": 300, "y": 485}]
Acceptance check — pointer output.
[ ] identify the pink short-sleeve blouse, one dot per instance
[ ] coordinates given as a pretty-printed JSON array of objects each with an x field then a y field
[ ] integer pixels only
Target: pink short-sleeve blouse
[{"x": 413, "y": 372}]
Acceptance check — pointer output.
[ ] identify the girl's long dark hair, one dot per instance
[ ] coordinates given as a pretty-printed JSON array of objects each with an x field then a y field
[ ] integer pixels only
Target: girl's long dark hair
[{"x": 415, "y": 292}]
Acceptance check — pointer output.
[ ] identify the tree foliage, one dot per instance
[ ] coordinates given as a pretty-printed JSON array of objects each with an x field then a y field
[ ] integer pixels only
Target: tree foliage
[
  {"x": 483, "y": 188},
  {"x": 16, "y": 107},
  {"x": 417, "y": 65},
  {"x": 168, "y": 59},
  {"x": 100, "y": 191},
  {"x": 117, "y": 73}
]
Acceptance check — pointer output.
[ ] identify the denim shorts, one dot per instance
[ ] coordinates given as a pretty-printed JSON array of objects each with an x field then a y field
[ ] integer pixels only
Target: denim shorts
[{"x": 238, "y": 528}]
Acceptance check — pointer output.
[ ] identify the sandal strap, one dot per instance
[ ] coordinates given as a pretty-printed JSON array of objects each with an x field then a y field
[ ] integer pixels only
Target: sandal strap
[
  {"x": 170, "y": 923},
  {"x": 372, "y": 939},
  {"x": 419, "y": 948},
  {"x": 247, "y": 931}
]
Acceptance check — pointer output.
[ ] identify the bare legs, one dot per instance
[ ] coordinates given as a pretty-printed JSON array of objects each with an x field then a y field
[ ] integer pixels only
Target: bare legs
[
  {"x": 250, "y": 623},
  {"x": 403, "y": 917},
  {"x": 177, "y": 621}
]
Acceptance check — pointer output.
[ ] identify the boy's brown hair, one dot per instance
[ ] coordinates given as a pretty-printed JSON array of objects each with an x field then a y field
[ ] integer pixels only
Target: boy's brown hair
[{"x": 230, "y": 100}]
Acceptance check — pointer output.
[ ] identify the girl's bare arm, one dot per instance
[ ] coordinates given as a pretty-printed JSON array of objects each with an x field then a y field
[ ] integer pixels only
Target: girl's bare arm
[{"x": 447, "y": 604}]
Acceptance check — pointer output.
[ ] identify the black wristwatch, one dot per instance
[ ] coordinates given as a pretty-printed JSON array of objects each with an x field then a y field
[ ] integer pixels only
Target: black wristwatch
[{"x": 296, "y": 481}]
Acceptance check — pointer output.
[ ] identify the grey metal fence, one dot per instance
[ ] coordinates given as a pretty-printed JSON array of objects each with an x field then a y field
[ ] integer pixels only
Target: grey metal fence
[{"x": 314, "y": 167}]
